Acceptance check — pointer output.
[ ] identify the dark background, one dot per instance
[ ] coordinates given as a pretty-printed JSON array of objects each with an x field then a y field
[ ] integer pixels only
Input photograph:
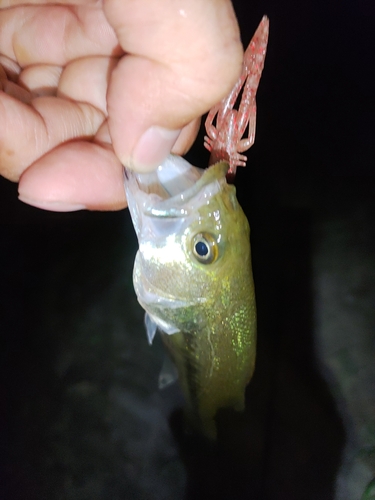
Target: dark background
[{"x": 81, "y": 416}]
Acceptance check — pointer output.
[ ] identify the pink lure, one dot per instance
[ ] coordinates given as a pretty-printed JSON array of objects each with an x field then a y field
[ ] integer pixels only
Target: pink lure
[{"x": 226, "y": 140}]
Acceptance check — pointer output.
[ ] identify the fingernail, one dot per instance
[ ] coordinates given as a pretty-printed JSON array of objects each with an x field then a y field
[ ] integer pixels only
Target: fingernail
[
  {"x": 152, "y": 148},
  {"x": 53, "y": 206}
]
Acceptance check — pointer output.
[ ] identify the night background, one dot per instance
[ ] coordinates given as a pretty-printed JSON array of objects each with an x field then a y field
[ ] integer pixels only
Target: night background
[{"x": 81, "y": 414}]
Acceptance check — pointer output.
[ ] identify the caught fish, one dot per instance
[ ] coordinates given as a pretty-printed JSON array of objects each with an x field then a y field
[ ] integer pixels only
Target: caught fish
[{"x": 192, "y": 272}]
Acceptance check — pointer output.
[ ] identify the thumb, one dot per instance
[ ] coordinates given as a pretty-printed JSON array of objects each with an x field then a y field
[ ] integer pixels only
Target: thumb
[{"x": 181, "y": 59}]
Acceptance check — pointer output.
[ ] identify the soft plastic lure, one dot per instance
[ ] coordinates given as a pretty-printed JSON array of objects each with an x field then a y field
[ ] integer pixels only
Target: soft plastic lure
[
  {"x": 226, "y": 140},
  {"x": 192, "y": 273}
]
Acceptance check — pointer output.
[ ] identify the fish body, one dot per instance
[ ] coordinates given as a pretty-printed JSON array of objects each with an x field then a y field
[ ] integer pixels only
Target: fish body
[{"x": 192, "y": 275}]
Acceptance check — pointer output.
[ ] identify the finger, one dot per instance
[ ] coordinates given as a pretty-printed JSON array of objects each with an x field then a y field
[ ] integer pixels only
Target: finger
[
  {"x": 83, "y": 80},
  {"x": 182, "y": 145},
  {"x": 55, "y": 34},
  {"x": 31, "y": 131},
  {"x": 86, "y": 80},
  {"x": 41, "y": 79},
  {"x": 75, "y": 176},
  {"x": 184, "y": 58},
  {"x": 10, "y": 67},
  {"x": 81, "y": 175}
]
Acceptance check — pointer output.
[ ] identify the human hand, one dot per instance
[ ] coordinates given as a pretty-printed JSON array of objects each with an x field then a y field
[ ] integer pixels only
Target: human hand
[{"x": 87, "y": 86}]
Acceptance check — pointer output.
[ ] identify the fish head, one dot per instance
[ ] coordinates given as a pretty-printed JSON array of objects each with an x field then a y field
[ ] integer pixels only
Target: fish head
[{"x": 193, "y": 247}]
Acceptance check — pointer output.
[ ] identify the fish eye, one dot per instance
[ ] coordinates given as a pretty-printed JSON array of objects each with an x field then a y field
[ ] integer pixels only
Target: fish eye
[{"x": 205, "y": 248}]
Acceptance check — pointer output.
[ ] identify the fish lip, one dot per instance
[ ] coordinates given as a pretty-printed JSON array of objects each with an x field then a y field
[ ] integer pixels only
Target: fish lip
[
  {"x": 175, "y": 206},
  {"x": 179, "y": 205}
]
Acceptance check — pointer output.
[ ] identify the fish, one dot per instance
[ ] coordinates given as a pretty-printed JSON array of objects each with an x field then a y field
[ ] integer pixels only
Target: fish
[{"x": 192, "y": 272}]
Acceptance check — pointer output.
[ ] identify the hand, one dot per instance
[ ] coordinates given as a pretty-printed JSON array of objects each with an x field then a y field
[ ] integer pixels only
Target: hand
[{"x": 90, "y": 85}]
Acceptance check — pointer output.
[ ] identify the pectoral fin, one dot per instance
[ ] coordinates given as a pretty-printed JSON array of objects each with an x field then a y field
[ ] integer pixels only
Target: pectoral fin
[
  {"x": 151, "y": 328},
  {"x": 168, "y": 374},
  {"x": 152, "y": 323}
]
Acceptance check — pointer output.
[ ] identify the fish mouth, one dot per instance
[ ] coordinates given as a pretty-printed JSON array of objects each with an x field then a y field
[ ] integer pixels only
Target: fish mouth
[{"x": 174, "y": 190}]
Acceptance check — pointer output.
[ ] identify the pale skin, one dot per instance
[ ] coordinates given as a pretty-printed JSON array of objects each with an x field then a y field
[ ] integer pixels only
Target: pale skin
[{"x": 87, "y": 86}]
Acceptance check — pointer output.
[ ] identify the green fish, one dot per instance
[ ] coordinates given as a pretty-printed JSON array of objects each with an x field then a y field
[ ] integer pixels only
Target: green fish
[
  {"x": 192, "y": 273},
  {"x": 193, "y": 277}
]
